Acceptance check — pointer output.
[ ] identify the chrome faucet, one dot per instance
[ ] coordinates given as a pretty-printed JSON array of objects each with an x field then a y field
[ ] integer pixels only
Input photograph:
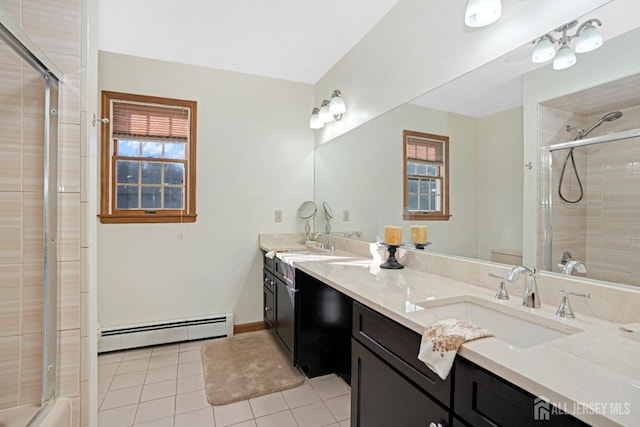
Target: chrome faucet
[
  {"x": 564, "y": 310},
  {"x": 531, "y": 296},
  {"x": 501, "y": 293},
  {"x": 568, "y": 264},
  {"x": 328, "y": 244}
]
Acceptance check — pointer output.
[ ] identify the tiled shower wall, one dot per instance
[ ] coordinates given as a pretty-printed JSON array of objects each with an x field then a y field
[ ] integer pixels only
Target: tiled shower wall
[
  {"x": 603, "y": 229},
  {"x": 58, "y": 28}
]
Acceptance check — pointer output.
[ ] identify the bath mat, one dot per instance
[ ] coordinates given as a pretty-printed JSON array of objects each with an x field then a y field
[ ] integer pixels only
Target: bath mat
[{"x": 244, "y": 366}]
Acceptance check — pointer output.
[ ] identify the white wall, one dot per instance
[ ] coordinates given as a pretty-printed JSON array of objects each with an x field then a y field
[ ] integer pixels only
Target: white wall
[
  {"x": 361, "y": 171},
  {"x": 500, "y": 166},
  {"x": 418, "y": 46},
  {"x": 254, "y": 155}
]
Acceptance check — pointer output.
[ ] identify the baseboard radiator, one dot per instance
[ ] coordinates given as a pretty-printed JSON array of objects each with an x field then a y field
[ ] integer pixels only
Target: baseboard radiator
[{"x": 195, "y": 328}]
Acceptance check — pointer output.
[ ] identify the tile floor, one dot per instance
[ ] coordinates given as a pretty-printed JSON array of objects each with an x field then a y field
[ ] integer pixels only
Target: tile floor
[{"x": 163, "y": 386}]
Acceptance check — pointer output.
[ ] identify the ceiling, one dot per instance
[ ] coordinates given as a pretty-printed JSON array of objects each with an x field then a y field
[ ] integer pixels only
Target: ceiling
[
  {"x": 295, "y": 40},
  {"x": 291, "y": 40}
]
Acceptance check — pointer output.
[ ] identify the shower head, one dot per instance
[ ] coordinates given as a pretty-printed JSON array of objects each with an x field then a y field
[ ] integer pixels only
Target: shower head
[
  {"x": 609, "y": 117},
  {"x": 615, "y": 115}
]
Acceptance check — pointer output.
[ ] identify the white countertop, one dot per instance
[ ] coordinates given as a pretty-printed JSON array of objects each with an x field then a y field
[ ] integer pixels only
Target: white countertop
[{"x": 593, "y": 375}]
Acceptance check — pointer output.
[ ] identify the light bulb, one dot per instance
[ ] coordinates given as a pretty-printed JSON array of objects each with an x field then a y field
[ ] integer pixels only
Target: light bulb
[
  {"x": 325, "y": 114},
  {"x": 589, "y": 39},
  {"x": 480, "y": 13},
  {"x": 336, "y": 106},
  {"x": 314, "y": 121},
  {"x": 544, "y": 51},
  {"x": 565, "y": 58}
]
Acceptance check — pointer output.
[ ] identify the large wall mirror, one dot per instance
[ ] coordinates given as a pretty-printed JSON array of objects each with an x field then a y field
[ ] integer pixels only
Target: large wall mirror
[{"x": 491, "y": 116}]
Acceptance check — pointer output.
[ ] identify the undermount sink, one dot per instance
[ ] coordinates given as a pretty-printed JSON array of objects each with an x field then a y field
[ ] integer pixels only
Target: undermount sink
[
  {"x": 307, "y": 256},
  {"x": 518, "y": 328}
]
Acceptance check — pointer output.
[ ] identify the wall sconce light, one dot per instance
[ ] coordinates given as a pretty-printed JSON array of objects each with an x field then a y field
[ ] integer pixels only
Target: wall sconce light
[
  {"x": 588, "y": 39},
  {"x": 480, "y": 13},
  {"x": 329, "y": 111}
]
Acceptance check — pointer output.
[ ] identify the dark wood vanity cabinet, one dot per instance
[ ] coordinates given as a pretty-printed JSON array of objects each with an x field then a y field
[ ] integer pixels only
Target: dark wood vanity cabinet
[
  {"x": 268, "y": 300},
  {"x": 483, "y": 399},
  {"x": 389, "y": 385}
]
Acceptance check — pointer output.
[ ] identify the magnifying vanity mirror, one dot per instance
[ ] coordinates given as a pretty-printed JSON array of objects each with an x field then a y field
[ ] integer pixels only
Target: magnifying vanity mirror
[
  {"x": 502, "y": 175},
  {"x": 307, "y": 211}
]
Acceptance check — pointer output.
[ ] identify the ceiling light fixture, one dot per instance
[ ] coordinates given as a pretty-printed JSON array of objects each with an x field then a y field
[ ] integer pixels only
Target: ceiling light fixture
[
  {"x": 588, "y": 39},
  {"x": 328, "y": 111},
  {"x": 480, "y": 13}
]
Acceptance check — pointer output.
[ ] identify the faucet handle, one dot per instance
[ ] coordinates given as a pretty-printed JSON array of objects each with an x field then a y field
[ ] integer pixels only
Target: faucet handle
[
  {"x": 564, "y": 310},
  {"x": 501, "y": 293}
]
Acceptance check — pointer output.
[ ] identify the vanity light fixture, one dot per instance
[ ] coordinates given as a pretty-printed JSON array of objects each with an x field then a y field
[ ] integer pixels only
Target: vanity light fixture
[
  {"x": 480, "y": 13},
  {"x": 328, "y": 111},
  {"x": 588, "y": 39}
]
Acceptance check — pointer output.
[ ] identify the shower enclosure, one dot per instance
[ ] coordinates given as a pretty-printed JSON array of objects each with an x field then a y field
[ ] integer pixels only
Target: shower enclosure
[
  {"x": 29, "y": 85},
  {"x": 590, "y": 191}
]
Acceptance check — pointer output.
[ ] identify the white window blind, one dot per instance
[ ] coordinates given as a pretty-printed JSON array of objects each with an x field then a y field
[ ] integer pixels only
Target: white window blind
[{"x": 150, "y": 122}]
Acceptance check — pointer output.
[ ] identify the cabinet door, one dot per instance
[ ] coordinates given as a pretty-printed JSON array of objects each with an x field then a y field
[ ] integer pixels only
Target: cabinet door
[
  {"x": 483, "y": 399},
  {"x": 284, "y": 318},
  {"x": 381, "y": 397},
  {"x": 269, "y": 306}
]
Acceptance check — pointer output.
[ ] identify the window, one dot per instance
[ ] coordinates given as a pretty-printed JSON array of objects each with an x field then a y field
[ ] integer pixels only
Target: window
[
  {"x": 426, "y": 176},
  {"x": 148, "y": 167}
]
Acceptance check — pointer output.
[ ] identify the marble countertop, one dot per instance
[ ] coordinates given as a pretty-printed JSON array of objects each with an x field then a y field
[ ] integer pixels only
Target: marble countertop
[{"x": 592, "y": 373}]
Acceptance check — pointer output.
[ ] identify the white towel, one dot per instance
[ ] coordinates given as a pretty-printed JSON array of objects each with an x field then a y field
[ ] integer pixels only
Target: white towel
[{"x": 441, "y": 341}]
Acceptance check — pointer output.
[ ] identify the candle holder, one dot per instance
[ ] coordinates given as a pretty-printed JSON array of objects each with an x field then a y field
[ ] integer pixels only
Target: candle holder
[
  {"x": 421, "y": 246},
  {"x": 391, "y": 262}
]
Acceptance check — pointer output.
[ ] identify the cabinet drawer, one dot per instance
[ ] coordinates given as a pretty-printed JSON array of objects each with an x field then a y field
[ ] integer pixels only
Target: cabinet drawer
[
  {"x": 268, "y": 263},
  {"x": 483, "y": 399},
  {"x": 398, "y": 346}
]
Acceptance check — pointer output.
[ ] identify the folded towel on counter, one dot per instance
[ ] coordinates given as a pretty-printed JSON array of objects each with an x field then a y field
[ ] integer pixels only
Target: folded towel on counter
[
  {"x": 441, "y": 341},
  {"x": 270, "y": 254}
]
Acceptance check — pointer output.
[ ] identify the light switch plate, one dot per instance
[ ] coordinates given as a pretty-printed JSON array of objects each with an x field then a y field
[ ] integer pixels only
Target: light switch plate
[
  {"x": 345, "y": 216},
  {"x": 277, "y": 216}
]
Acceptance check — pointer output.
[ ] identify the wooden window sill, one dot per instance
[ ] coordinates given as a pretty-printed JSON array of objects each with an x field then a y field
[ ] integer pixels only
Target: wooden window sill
[
  {"x": 425, "y": 217},
  {"x": 146, "y": 218}
]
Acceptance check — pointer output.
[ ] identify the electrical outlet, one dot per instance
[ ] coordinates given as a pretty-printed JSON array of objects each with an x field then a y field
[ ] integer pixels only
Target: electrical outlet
[
  {"x": 345, "y": 216},
  {"x": 277, "y": 216}
]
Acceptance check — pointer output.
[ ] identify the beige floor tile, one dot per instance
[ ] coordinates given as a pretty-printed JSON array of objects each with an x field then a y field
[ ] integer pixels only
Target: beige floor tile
[
  {"x": 156, "y": 409},
  {"x": 164, "y": 422},
  {"x": 250, "y": 423},
  {"x": 161, "y": 374},
  {"x": 190, "y": 383},
  {"x": 104, "y": 383},
  {"x": 165, "y": 349},
  {"x": 127, "y": 380},
  {"x": 192, "y": 345},
  {"x": 314, "y": 415},
  {"x": 345, "y": 423},
  {"x": 330, "y": 388},
  {"x": 190, "y": 356},
  {"x": 108, "y": 370},
  {"x": 188, "y": 402},
  {"x": 163, "y": 360},
  {"x": 117, "y": 417},
  {"x": 187, "y": 369},
  {"x": 280, "y": 419},
  {"x": 123, "y": 397},
  {"x": 158, "y": 390},
  {"x": 268, "y": 404},
  {"x": 233, "y": 413},
  {"x": 300, "y": 396},
  {"x": 201, "y": 418},
  {"x": 340, "y": 407},
  {"x": 135, "y": 365},
  {"x": 106, "y": 358},
  {"x": 141, "y": 353}
]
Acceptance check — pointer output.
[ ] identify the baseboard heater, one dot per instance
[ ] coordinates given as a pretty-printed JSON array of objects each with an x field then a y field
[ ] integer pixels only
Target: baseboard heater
[{"x": 195, "y": 328}]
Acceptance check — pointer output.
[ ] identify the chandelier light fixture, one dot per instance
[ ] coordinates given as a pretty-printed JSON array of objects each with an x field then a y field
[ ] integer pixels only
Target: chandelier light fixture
[
  {"x": 588, "y": 39},
  {"x": 328, "y": 111},
  {"x": 480, "y": 13}
]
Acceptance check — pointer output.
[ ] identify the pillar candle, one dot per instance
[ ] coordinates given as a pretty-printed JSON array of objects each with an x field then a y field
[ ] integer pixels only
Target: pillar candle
[
  {"x": 419, "y": 234},
  {"x": 392, "y": 235}
]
